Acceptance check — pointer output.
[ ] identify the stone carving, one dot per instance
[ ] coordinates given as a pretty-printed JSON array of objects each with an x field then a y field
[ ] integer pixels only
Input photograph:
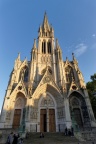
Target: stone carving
[
  {"x": 30, "y": 91},
  {"x": 18, "y": 103},
  {"x": 47, "y": 101},
  {"x": 45, "y": 59},
  {"x": 33, "y": 114},
  {"x": 8, "y": 114},
  {"x": 61, "y": 112}
]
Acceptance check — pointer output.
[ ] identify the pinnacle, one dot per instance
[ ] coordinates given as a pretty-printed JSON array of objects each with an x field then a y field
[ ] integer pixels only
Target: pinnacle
[{"x": 45, "y": 21}]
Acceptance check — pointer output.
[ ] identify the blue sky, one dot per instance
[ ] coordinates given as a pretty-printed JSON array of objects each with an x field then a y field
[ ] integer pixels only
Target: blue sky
[{"x": 74, "y": 23}]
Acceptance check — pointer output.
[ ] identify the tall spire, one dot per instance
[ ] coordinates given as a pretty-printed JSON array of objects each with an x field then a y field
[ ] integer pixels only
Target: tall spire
[{"x": 45, "y": 24}]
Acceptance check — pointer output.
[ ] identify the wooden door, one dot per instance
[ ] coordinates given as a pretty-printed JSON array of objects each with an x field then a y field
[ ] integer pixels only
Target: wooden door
[
  {"x": 52, "y": 127},
  {"x": 43, "y": 120},
  {"x": 16, "y": 119}
]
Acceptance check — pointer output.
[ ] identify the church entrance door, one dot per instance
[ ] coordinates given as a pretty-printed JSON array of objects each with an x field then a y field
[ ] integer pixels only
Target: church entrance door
[
  {"x": 16, "y": 119},
  {"x": 52, "y": 127},
  {"x": 77, "y": 116},
  {"x": 43, "y": 120}
]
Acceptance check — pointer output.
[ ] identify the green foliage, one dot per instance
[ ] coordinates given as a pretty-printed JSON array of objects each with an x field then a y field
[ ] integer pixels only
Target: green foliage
[{"x": 91, "y": 87}]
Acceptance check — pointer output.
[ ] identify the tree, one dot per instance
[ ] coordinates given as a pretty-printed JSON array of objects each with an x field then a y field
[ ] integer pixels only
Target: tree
[{"x": 91, "y": 87}]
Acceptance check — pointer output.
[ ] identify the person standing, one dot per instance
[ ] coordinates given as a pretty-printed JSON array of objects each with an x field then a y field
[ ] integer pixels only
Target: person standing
[
  {"x": 66, "y": 131},
  {"x": 15, "y": 139},
  {"x": 10, "y": 138}
]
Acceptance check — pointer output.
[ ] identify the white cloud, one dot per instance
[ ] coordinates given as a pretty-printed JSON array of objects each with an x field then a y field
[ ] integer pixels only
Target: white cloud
[
  {"x": 93, "y": 35},
  {"x": 80, "y": 49}
]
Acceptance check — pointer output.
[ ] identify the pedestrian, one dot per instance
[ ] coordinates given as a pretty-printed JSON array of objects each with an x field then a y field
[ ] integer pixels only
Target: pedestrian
[
  {"x": 66, "y": 131},
  {"x": 72, "y": 131},
  {"x": 20, "y": 141},
  {"x": 10, "y": 138},
  {"x": 15, "y": 138},
  {"x": 27, "y": 135},
  {"x": 41, "y": 135}
]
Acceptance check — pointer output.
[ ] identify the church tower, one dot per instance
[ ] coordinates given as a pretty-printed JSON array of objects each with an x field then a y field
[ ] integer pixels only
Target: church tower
[{"x": 46, "y": 94}]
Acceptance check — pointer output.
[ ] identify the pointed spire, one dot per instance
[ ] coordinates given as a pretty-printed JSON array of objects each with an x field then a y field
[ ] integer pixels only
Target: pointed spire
[
  {"x": 45, "y": 22},
  {"x": 34, "y": 45},
  {"x": 73, "y": 56},
  {"x": 18, "y": 56}
]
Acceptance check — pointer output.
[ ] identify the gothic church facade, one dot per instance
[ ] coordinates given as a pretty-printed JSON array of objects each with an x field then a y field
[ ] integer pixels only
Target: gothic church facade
[{"x": 46, "y": 93}]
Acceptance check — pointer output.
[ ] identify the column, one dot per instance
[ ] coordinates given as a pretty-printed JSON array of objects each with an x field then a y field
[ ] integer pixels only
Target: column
[{"x": 67, "y": 114}]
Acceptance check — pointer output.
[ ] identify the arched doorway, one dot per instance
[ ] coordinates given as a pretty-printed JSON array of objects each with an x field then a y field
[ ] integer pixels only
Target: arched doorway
[
  {"x": 78, "y": 111},
  {"x": 19, "y": 110},
  {"x": 47, "y": 114}
]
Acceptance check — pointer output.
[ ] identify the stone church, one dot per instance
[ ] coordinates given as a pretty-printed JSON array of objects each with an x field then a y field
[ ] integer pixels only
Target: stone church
[{"x": 46, "y": 93}]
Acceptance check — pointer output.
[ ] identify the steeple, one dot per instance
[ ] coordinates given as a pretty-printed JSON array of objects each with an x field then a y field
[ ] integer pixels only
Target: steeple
[
  {"x": 46, "y": 30},
  {"x": 45, "y": 25}
]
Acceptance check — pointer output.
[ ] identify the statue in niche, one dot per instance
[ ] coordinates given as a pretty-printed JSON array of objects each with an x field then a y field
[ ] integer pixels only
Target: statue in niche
[
  {"x": 29, "y": 91},
  {"x": 33, "y": 115},
  {"x": 8, "y": 114},
  {"x": 22, "y": 75}
]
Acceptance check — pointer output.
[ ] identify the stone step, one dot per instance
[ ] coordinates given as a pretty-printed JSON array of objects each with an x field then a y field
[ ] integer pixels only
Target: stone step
[
  {"x": 52, "y": 138},
  {"x": 49, "y": 138}
]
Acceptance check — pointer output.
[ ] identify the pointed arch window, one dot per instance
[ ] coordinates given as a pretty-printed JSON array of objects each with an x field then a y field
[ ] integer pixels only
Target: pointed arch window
[
  {"x": 49, "y": 47},
  {"x": 24, "y": 74},
  {"x": 69, "y": 74},
  {"x": 44, "y": 47}
]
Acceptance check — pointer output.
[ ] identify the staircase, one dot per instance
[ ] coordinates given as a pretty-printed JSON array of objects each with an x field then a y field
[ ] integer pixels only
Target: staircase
[
  {"x": 52, "y": 138},
  {"x": 49, "y": 138}
]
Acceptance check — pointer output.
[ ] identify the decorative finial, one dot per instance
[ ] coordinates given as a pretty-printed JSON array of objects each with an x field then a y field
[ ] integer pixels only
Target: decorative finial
[
  {"x": 66, "y": 58},
  {"x": 73, "y": 55},
  {"x": 18, "y": 56}
]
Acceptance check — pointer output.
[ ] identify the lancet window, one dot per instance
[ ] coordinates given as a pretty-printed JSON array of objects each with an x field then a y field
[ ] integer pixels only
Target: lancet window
[
  {"x": 24, "y": 74},
  {"x": 44, "y": 47},
  {"x": 49, "y": 47},
  {"x": 69, "y": 74}
]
